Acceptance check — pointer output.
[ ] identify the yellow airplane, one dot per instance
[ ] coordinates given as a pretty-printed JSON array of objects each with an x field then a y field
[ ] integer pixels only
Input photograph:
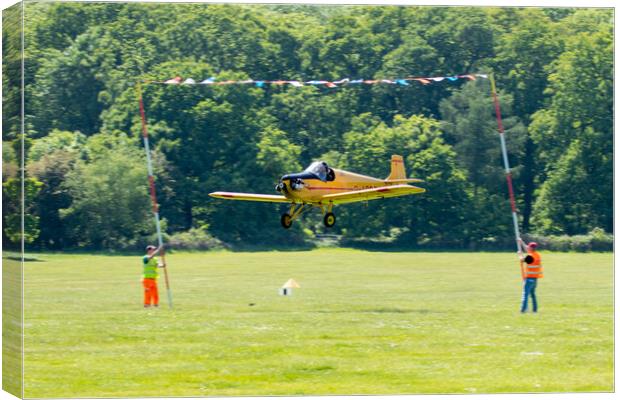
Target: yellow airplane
[{"x": 322, "y": 186}]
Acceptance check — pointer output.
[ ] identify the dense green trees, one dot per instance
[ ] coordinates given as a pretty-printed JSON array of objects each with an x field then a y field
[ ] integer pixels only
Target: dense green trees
[
  {"x": 16, "y": 197},
  {"x": 85, "y": 161},
  {"x": 108, "y": 191},
  {"x": 576, "y": 130}
]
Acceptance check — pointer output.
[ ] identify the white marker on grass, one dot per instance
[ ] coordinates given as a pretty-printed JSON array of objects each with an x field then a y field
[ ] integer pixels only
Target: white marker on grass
[{"x": 287, "y": 288}]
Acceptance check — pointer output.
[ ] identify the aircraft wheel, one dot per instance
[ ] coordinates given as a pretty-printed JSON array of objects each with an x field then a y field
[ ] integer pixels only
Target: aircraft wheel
[
  {"x": 329, "y": 220},
  {"x": 286, "y": 221}
]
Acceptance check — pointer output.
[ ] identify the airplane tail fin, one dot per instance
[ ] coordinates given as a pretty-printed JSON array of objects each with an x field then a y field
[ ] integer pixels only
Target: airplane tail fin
[{"x": 397, "y": 171}]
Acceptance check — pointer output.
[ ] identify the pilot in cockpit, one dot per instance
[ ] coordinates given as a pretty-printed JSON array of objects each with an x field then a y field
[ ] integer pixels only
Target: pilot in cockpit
[{"x": 321, "y": 171}]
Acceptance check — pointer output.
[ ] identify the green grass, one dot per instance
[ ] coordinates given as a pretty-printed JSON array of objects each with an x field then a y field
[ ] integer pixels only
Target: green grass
[
  {"x": 362, "y": 322},
  {"x": 11, "y": 324}
]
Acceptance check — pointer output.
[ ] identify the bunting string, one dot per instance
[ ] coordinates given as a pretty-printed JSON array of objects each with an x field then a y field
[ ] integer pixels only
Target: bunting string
[{"x": 330, "y": 84}]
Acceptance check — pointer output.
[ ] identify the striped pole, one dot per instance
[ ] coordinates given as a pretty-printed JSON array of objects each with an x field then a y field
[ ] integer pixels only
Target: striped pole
[
  {"x": 502, "y": 139},
  {"x": 149, "y": 165}
]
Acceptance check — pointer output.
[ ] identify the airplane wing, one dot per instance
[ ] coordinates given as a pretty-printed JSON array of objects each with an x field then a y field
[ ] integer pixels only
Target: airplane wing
[
  {"x": 269, "y": 198},
  {"x": 372, "y": 194},
  {"x": 404, "y": 180}
]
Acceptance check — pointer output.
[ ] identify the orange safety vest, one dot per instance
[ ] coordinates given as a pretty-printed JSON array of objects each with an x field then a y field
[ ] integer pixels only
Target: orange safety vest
[{"x": 534, "y": 269}]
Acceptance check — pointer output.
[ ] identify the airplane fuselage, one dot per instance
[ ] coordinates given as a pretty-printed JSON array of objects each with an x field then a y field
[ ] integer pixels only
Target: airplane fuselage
[{"x": 312, "y": 190}]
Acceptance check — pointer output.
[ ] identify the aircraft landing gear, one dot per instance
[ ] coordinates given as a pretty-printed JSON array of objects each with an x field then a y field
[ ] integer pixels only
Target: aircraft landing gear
[
  {"x": 295, "y": 211},
  {"x": 329, "y": 220},
  {"x": 286, "y": 220}
]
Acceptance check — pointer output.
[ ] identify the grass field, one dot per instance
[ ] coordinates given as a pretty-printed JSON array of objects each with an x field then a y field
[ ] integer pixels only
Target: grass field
[{"x": 362, "y": 322}]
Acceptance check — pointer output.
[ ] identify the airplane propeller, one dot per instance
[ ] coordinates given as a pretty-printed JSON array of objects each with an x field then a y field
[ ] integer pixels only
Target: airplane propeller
[
  {"x": 281, "y": 187},
  {"x": 295, "y": 184}
]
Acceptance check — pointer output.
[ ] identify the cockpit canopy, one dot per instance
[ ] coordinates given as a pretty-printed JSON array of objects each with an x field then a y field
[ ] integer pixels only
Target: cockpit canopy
[{"x": 317, "y": 170}]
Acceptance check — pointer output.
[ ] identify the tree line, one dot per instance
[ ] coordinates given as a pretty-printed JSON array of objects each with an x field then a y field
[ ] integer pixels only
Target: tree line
[{"x": 85, "y": 167}]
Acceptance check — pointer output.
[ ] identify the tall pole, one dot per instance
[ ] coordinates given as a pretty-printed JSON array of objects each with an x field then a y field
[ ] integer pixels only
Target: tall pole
[
  {"x": 502, "y": 139},
  {"x": 149, "y": 165}
]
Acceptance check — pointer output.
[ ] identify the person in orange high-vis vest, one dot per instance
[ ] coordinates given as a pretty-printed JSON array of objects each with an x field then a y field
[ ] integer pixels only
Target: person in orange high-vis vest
[
  {"x": 532, "y": 273},
  {"x": 149, "y": 276}
]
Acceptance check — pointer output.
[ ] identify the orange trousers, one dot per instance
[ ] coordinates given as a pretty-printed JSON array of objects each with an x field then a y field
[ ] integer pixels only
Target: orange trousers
[{"x": 150, "y": 291}]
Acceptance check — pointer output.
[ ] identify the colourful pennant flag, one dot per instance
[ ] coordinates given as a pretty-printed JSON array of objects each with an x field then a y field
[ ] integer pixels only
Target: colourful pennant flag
[
  {"x": 260, "y": 83},
  {"x": 422, "y": 81},
  {"x": 402, "y": 82},
  {"x": 174, "y": 81},
  {"x": 189, "y": 81},
  {"x": 296, "y": 83}
]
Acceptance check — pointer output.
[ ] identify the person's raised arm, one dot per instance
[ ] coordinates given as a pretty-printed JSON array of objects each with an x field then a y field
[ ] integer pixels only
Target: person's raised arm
[
  {"x": 154, "y": 253},
  {"x": 160, "y": 263}
]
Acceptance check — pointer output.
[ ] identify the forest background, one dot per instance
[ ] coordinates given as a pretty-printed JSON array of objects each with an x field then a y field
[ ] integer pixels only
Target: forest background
[{"x": 86, "y": 185}]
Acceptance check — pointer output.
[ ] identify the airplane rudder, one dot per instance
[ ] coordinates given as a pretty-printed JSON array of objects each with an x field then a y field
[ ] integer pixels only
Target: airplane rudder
[{"x": 397, "y": 167}]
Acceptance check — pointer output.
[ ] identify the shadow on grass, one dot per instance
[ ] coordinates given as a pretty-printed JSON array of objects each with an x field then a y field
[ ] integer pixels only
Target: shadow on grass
[
  {"x": 263, "y": 248},
  {"x": 384, "y": 310},
  {"x": 17, "y": 257},
  {"x": 399, "y": 247}
]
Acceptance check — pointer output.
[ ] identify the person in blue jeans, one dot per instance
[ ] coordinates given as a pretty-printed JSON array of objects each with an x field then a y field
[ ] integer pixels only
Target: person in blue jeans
[
  {"x": 533, "y": 272},
  {"x": 529, "y": 290}
]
